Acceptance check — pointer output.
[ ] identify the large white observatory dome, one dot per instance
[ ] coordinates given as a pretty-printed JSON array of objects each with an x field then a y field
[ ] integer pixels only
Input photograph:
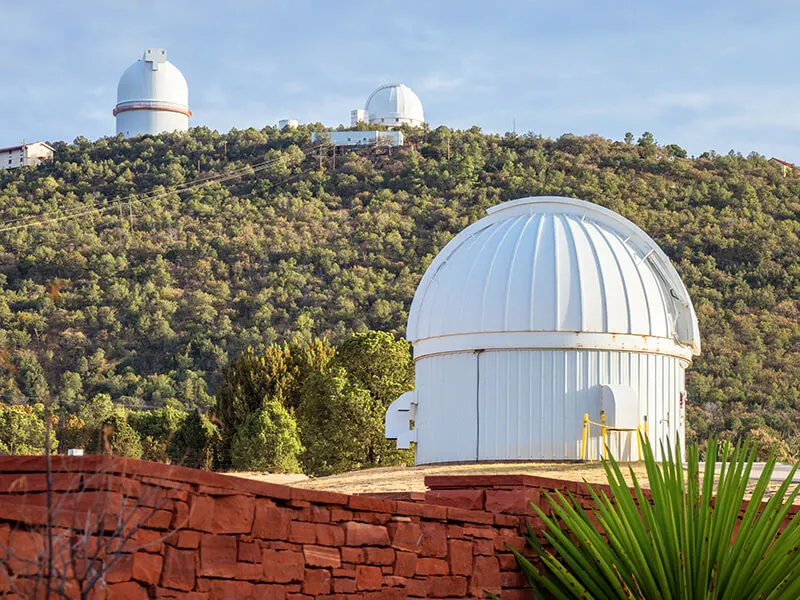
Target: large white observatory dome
[
  {"x": 545, "y": 309},
  {"x": 152, "y": 97},
  {"x": 393, "y": 105}
]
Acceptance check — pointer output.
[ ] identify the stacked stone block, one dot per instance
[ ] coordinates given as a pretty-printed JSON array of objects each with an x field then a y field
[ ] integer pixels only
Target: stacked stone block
[{"x": 200, "y": 535}]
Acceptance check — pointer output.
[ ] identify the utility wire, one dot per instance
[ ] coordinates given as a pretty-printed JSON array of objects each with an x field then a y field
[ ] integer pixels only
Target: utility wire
[
  {"x": 130, "y": 200},
  {"x": 179, "y": 189}
]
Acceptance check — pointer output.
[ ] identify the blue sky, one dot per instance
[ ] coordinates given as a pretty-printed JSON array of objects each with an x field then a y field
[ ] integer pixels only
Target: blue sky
[{"x": 705, "y": 75}]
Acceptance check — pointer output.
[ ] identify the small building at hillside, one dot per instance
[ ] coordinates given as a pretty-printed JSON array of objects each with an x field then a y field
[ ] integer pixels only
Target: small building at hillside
[
  {"x": 25, "y": 155},
  {"x": 545, "y": 310},
  {"x": 360, "y": 138},
  {"x": 786, "y": 167}
]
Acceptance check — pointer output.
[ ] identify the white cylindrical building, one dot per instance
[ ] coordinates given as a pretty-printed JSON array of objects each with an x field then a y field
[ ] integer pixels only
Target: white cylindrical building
[
  {"x": 544, "y": 310},
  {"x": 393, "y": 105},
  {"x": 152, "y": 97}
]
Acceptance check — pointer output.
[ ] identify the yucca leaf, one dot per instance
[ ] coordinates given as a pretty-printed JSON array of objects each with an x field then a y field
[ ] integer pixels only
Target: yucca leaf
[{"x": 678, "y": 543}]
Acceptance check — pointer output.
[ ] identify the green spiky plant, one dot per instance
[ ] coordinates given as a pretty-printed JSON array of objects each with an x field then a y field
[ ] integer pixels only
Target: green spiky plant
[{"x": 681, "y": 545}]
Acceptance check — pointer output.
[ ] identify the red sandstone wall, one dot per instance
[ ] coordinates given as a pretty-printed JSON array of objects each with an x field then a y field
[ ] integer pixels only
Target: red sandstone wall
[
  {"x": 181, "y": 533},
  {"x": 206, "y": 535}
]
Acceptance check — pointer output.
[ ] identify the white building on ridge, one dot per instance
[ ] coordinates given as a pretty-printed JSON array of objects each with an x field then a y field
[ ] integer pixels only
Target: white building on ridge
[
  {"x": 25, "y": 155},
  {"x": 391, "y": 105},
  {"x": 360, "y": 138},
  {"x": 152, "y": 97},
  {"x": 544, "y": 310}
]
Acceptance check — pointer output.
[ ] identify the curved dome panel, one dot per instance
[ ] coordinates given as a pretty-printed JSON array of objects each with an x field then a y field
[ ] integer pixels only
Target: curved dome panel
[
  {"x": 152, "y": 96},
  {"x": 153, "y": 78},
  {"x": 394, "y": 104},
  {"x": 167, "y": 84},
  {"x": 552, "y": 272}
]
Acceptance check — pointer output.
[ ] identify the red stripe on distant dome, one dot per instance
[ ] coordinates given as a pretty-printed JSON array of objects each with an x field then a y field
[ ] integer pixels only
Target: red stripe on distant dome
[{"x": 182, "y": 111}]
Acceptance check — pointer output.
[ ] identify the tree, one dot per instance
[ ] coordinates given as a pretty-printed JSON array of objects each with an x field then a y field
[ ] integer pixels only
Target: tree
[
  {"x": 337, "y": 423},
  {"x": 253, "y": 379},
  {"x": 341, "y": 426},
  {"x": 268, "y": 441},
  {"x": 22, "y": 430},
  {"x": 106, "y": 429},
  {"x": 156, "y": 429},
  {"x": 195, "y": 443},
  {"x": 379, "y": 363},
  {"x": 646, "y": 140},
  {"x": 676, "y": 151}
]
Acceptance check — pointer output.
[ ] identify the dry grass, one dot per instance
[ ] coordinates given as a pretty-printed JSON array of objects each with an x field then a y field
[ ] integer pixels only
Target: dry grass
[{"x": 412, "y": 479}]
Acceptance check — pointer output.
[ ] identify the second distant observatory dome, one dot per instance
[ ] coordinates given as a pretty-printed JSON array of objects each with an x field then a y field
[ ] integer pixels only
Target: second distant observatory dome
[
  {"x": 152, "y": 97},
  {"x": 393, "y": 105}
]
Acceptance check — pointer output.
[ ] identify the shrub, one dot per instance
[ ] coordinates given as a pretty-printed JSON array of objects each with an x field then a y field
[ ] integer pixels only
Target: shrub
[
  {"x": 106, "y": 429},
  {"x": 684, "y": 543},
  {"x": 195, "y": 443},
  {"x": 268, "y": 441},
  {"x": 342, "y": 427},
  {"x": 276, "y": 374},
  {"x": 115, "y": 436},
  {"x": 156, "y": 429},
  {"x": 22, "y": 430}
]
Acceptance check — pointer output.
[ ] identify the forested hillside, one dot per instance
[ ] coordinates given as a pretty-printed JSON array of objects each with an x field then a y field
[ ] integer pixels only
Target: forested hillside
[{"x": 149, "y": 298}]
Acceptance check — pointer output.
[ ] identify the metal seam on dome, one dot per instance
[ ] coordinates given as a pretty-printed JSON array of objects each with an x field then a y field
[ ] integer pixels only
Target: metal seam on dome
[
  {"x": 556, "y": 290},
  {"x": 574, "y": 252},
  {"x": 636, "y": 265},
  {"x": 433, "y": 280},
  {"x": 472, "y": 269},
  {"x": 121, "y": 109},
  {"x": 603, "y": 232},
  {"x": 468, "y": 243},
  {"x": 600, "y": 277},
  {"x": 508, "y": 226},
  {"x": 664, "y": 286},
  {"x": 535, "y": 264},
  {"x": 614, "y": 236},
  {"x": 528, "y": 220}
]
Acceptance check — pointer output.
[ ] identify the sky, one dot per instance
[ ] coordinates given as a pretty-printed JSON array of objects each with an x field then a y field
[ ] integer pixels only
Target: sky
[{"x": 706, "y": 75}]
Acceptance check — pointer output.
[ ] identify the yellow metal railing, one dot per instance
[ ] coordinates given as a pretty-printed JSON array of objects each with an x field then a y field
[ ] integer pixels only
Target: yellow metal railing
[{"x": 604, "y": 431}]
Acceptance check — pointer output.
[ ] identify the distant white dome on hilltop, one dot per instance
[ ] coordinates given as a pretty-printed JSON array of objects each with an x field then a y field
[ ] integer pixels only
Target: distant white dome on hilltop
[
  {"x": 152, "y": 97},
  {"x": 393, "y": 105}
]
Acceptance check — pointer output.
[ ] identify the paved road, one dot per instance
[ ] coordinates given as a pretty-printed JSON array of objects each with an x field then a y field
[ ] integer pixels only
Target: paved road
[{"x": 780, "y": 473}]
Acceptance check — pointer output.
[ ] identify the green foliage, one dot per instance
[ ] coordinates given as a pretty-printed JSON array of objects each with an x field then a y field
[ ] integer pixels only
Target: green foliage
[
  {"x": 195, "y": 443},
  {"x": 336, "y": 417},
  {"x": 341, "y": 425},
  {"x": 156, "y": 428},
  {"x": 276, "y": 375},
  {"x": 148, "y": 305},
  {"x": 686, "y": 543},
  {"x": 267, "y": 441},
  {"x": 106, "y": 429},
  {"x": 22, "y": 430},
  {"x": 379, "y": 363}
]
